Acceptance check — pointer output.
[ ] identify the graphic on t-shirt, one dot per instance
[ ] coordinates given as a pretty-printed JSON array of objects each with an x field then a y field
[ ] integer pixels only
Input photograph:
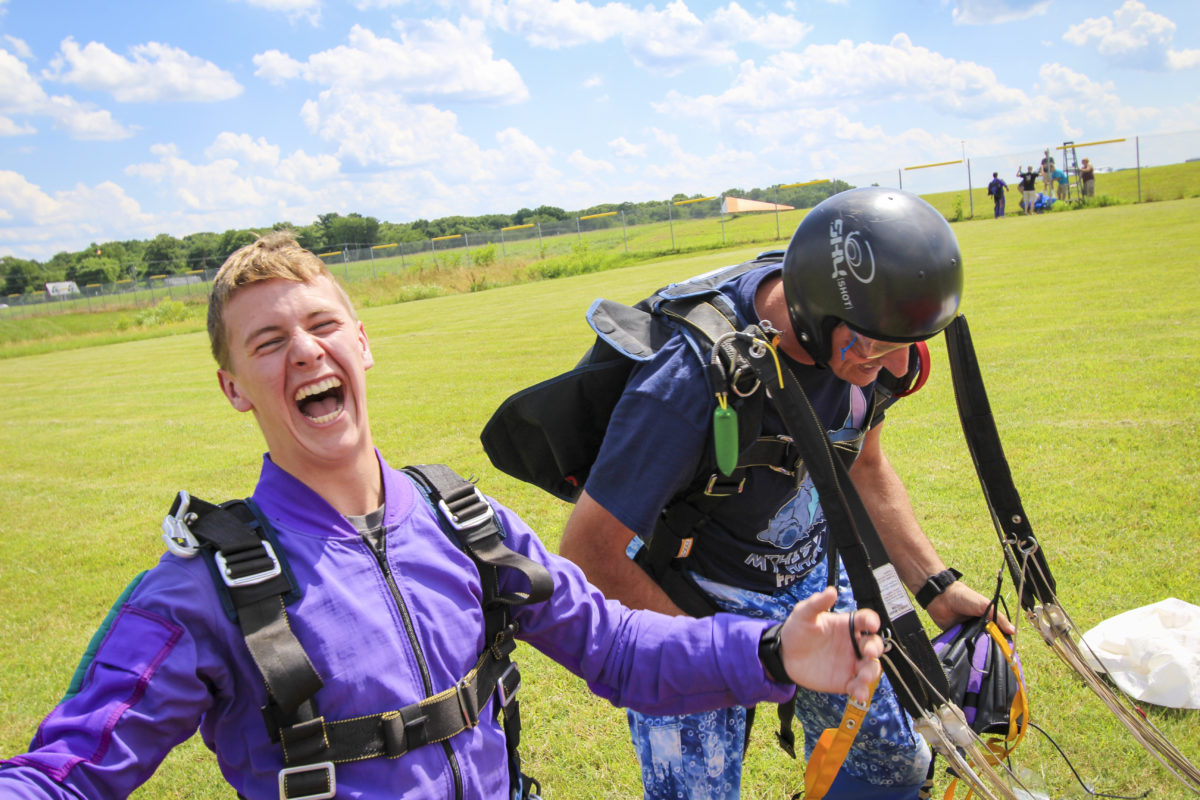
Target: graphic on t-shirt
[
  {"x": 799, "y": 526},
  {"x": 795, "y": 520}
]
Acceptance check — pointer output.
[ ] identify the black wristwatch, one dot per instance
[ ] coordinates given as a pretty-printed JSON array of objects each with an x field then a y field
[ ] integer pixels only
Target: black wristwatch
[
  {"x": 935, "y": 585},
  {"x": 768, "y": 653}
]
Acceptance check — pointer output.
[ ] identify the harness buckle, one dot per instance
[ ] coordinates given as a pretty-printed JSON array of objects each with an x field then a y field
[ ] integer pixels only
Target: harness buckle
[
  {"x": 467, "y": 703},
  {"x": 330, "y": 779},
  {"x": 255, "y": 577},
  {"x": 503, "y": 688},
  {"x": 713, "y": 490},
  {"x": 176, "y": 534},
  {"x": 471, "y": 522}
]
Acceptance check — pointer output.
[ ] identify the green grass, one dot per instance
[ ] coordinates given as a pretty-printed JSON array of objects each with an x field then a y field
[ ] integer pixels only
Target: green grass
[{"x": 1085, "y": 324}]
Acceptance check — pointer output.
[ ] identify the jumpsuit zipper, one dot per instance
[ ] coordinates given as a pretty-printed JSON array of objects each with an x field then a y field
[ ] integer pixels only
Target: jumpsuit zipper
[{"x": 377, "y": 543}]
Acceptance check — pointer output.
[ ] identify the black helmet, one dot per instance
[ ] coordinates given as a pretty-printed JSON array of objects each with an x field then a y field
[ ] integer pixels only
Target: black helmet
[{"x": 883, "y": 261}]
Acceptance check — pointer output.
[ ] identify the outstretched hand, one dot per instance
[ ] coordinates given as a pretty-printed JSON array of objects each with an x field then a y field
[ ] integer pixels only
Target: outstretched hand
[{"x": 818, "y": 652}]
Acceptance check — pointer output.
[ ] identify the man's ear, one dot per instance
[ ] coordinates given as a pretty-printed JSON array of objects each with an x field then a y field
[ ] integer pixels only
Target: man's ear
[
  {"x": 365, "y": 343},
  {"x": 229, "y": 388}
]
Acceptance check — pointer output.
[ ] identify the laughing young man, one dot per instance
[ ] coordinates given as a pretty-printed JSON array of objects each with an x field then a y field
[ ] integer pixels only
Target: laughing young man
[{"x": 386, "y": 608}]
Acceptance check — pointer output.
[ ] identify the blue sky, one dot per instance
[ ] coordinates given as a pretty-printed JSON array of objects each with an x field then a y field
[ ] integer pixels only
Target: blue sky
[{"x": 129, "y": 118}]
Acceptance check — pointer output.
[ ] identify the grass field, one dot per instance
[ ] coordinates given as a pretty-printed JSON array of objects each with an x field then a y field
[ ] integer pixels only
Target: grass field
[
  {"x": 388, "y": 279},
  {"x": 1085, "y": 324}
]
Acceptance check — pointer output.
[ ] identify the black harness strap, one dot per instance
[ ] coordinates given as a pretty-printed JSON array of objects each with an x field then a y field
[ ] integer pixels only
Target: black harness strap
[
  {"x": 872, "y": 576},
  {"x": 983, "y": 442},
  {"x": 473, "y": 524},
  {"x": 250, "y": 569},
  {"x": 241, "y": 553}
]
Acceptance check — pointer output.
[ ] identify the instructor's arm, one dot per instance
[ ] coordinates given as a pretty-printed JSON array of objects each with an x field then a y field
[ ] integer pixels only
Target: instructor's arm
[{"x": 596, "y": 541}]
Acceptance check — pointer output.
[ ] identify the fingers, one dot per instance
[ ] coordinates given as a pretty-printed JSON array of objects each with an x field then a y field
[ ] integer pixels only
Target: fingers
[
  {"x": 1003, "y": 623},
  {"x": 811, "y": 607},
  {"x": 864, "y": 627},
  {"x": 861, "y": 687}
]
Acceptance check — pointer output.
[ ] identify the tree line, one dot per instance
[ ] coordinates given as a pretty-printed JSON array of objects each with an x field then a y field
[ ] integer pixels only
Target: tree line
[{"x": 133, "y": 260}]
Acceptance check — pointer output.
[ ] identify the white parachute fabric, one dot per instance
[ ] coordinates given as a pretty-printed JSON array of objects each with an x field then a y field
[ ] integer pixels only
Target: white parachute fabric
[{"x": 1152, "y": 652}]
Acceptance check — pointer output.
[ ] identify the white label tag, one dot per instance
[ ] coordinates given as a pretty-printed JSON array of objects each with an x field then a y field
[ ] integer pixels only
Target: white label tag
[{"x": 891, "y": 589}]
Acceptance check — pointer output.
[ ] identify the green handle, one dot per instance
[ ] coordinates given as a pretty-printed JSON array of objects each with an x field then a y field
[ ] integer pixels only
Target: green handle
[{"x": 725, "y": 439}]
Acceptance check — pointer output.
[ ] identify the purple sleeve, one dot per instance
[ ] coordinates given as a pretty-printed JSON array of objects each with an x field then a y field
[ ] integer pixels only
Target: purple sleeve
[
  {"x": 140, "y": 695},
  {"x": 650, "y": 662}
]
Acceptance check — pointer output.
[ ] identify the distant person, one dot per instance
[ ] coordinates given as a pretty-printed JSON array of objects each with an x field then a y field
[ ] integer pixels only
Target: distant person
[
  {"x": 1047, "y": 170},
  {"x": 383, "y": 681},
  {"x": 1060, "y": 184},
  {"x": 996, "y": 189},
  {"x": 1087, "y": 177},
  {"x": 1028, "y": 188}
]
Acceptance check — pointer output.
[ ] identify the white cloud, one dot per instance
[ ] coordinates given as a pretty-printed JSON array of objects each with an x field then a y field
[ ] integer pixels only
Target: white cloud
[
  {"x": 589, "y": 166},
  {"x": 309, "y": 10},
  {"x": 83, "y": 122},
  {"x": 667, "y": 40},
  {"x": 847, "y": 75},
  {"x": 990, "y": 12},
  {"x": 19, "y": 47},
  {"x": 18, "y": 89},
  {"x": 155, "y": 73},
  {"x": 221, "y": 183},
  {"x": 555, "y": 24},
  {"x": 42, "y": 224},
  {"x": 378, "y": 129},
  {"x": 301, "y": 168},
  {"x": 626, "y": 149},
  {"x": 432, "y": 59},
  {"x": 276, "y": 67},
  {"x": 10, "y": 127},
  {"x": 1077, "y": 99},
  {"x": 20, "y": 199},
  {"x": 22, "y": 96},
  {"x": 1135, "y": 36},
  {"x": 772, "y": 31},
  {"x": 593, "y": 82},
  {"x": 244, "y": 149}
]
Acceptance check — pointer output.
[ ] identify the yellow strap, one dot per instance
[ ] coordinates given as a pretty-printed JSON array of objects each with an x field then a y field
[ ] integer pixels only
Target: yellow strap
[
  {"x": 1018, "y": 715},
  {"x": 827, "y": 757}
]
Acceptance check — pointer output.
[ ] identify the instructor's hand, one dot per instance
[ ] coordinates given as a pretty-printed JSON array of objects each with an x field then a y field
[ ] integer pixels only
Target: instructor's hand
[
  {"x": 818, "y": 652},
  {"x": 959, "y": 603}
]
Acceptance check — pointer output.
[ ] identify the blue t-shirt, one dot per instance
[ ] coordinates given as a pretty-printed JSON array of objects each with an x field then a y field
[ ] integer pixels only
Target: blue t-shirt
[{"x": 773, "y": 532}]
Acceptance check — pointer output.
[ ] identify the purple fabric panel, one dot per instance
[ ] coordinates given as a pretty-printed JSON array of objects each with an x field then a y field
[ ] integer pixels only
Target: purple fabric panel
[{"x": 136, "y": 644}]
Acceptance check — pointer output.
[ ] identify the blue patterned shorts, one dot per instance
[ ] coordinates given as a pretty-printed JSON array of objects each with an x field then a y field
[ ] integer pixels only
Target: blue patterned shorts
[{"x": 699, "y": 756}]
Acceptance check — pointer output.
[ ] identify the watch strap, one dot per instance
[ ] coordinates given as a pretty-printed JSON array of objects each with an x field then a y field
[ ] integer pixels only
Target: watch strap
[
  {"x": 769, "y": 653},
  {"x": 935, "y": 586}
]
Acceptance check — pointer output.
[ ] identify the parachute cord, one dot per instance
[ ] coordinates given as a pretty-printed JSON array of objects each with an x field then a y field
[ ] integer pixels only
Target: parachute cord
[{"x": 1090, "y": 791}]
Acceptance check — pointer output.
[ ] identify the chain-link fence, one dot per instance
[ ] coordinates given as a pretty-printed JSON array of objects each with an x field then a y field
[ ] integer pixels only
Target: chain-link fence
[{"x": 1125, "y": 170}]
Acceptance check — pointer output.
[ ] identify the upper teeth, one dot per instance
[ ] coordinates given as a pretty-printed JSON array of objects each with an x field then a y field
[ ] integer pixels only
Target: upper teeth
[{"x": 317, "y": 388}]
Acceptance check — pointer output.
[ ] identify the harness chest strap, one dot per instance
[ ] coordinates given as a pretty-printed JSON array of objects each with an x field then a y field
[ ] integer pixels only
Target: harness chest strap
[{"x": 244, "y": 559}]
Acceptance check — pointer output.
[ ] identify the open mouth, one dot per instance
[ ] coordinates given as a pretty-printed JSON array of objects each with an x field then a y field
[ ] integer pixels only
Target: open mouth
[{"x": 321, "y": 401}]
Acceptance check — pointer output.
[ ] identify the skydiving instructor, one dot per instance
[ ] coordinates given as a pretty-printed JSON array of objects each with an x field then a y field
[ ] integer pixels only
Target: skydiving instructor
[{"x": 868, "y": 272}]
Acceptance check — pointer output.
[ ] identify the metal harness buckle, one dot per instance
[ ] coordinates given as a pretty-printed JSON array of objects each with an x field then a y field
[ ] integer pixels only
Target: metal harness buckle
[
  {"x": 506, "y": 695},
  {"x": 463, "y": 524},
  {"x": 253, "y": 578},
  {"x": 176, "y": 534},
  {"x": 331, "y": 779},
  {"x": 712, "y": 490},
  {"x": 466, "y": 703}
]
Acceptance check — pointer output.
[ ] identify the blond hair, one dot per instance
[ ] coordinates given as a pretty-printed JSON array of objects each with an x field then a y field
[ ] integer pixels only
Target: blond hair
[{"x": 275, "y": 255}]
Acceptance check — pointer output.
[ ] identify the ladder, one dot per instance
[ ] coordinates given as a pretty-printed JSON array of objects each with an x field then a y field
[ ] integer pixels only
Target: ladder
[{"x": 1071, "y": 167}]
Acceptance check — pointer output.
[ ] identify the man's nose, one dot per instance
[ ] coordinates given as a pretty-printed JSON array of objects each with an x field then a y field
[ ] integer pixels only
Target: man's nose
[{"x": 305, "y": 349}]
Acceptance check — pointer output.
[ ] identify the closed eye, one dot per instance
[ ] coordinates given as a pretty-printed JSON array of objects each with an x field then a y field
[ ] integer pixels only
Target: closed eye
[{"x": 268, "y": 344}]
